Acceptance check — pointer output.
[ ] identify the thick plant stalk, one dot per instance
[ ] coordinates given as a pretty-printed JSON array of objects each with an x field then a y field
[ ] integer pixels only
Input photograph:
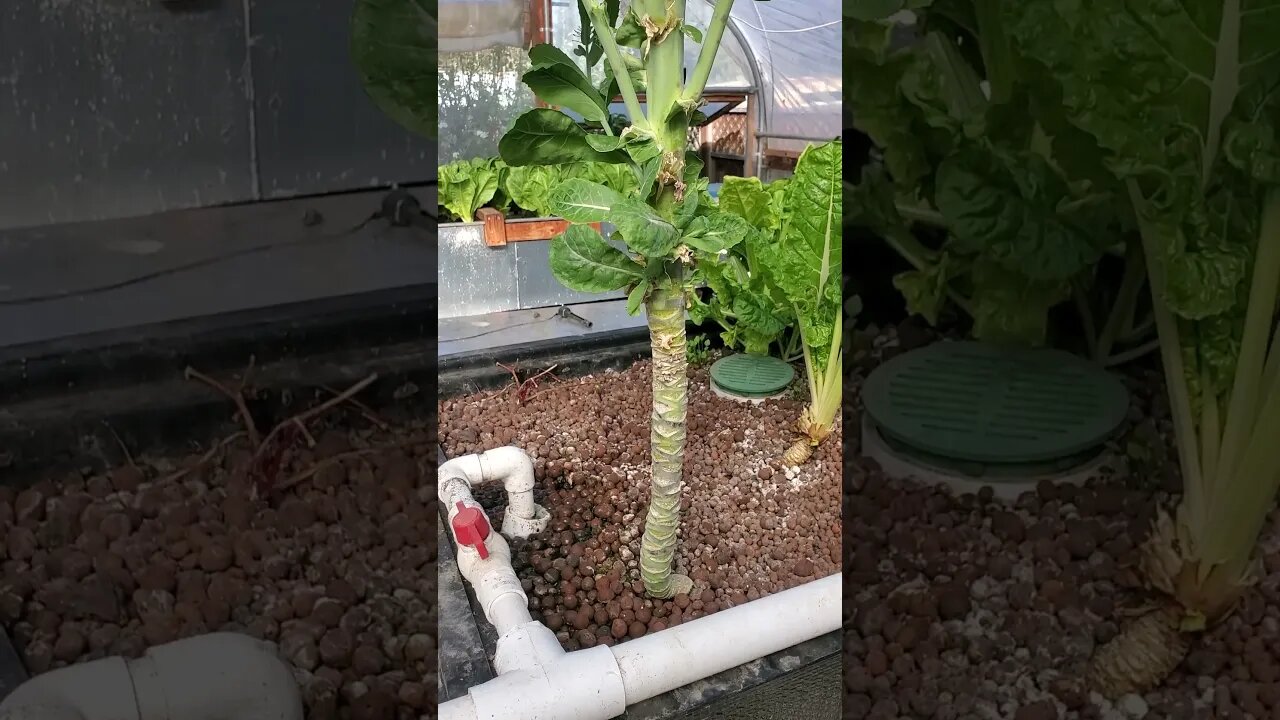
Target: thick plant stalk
[
  {"x": 1142, "y": 656},
  {"x": 667, "y": 434},
  {"x": 799, "y": 453}
]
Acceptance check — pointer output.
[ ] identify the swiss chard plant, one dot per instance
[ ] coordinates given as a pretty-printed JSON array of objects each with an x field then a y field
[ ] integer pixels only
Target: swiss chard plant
[
  {"x": 788, "y": 273},
  {"x": 1002, "y": 207},
  {"x": 753, "y": 312},
  {"x": 667, "y": 222},
  {"x": 804, "y": 263},
  {"x": 1183, "y": 98}
]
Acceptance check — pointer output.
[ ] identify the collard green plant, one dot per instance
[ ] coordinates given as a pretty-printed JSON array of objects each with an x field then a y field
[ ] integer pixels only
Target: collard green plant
[
  {"x": 975, "y": 147},
  {"x": 667, "y": 222},
  {"x": 393, "y": 44},
  {"x": 1183, "y": 98}
]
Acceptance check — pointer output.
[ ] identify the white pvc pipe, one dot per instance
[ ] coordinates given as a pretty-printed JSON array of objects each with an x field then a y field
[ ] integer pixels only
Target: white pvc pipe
[
  {"x": 460, "y": 709},
  {"x": 514, "y": 469},
  {"x": 599, "y": 683},
  {"x": 219, "y": 676},
  {"x": 693, "y": 650}
]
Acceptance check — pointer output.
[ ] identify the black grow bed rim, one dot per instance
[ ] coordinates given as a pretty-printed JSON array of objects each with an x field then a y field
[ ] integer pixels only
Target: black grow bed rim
[
  {"x": 138, "y": 396},
  {"x": 149, "y": 352},
  {"x": 476, "y": 370},
  {"x": 590, "y": 353}
]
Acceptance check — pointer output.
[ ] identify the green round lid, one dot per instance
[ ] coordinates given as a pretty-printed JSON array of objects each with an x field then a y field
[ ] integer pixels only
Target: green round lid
[
  {"x": 752, "y": 375},
  {"x": 989, "y": 404}
]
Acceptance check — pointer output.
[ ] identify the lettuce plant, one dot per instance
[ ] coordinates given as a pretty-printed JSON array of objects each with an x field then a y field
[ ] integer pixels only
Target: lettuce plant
[
  {"x": 667, "y": 222},
  {"x": 468, "y": 185},
  {"x": 1183, "y": 98}
]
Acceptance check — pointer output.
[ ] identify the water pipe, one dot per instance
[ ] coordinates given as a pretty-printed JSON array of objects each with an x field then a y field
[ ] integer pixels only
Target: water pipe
[
  {"x": 218, "y": 676},
  {"x": 601, "y": 682},
  {"x": 536, "y": 679},
  {"x": 514, "y": 469}
]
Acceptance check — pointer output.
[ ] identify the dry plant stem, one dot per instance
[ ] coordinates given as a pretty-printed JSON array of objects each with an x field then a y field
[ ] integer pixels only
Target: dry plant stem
[
  {"x": 128, "y": 457},
  {"x": 299, "y": 420},
  {"x": 334, "y": 460},
  {"x": 306, "y": 434},
  {"x": 203, "y": 459},
  {"x": 365, "y": 410},
  {"x": 236, "y": 396}
]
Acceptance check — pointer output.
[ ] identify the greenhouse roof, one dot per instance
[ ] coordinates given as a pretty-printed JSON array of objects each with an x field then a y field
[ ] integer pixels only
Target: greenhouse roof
[{"x": 787, "y": 52}]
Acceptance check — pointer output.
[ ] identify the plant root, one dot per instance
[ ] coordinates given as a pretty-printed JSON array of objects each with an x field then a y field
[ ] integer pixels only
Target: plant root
[
  {"x": 799, "y": 453},
  {"x": 1140, "y": 657}
]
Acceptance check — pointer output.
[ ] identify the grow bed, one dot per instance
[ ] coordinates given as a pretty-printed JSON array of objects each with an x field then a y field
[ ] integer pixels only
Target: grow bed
[
  {"x": 749, "y": 526},
  {"x": 963, "y": 606},
  {"x": 333, "y": 559}
]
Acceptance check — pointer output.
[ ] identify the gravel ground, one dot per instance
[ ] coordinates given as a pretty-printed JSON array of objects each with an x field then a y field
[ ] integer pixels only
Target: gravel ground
[
  {"x": 338, "y": 570},
  {"x": 965, "y": 607},
  {"x": 749, "y": 526}
]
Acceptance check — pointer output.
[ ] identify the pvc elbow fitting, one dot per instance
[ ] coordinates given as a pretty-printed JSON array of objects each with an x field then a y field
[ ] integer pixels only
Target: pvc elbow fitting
[{"x": 510, "y": 464}]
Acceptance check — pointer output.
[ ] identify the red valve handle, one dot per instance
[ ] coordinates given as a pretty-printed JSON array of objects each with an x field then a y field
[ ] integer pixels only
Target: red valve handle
[{"x": 471, "y": 528}]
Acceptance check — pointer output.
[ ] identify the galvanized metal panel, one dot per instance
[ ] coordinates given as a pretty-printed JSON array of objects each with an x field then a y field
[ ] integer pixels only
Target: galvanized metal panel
[
  {"x": 539, "y": 288},
  {"x": 474, "y": 278},
  {"x": 317, "y": 131},
  {"x": 115, "y": 108}
]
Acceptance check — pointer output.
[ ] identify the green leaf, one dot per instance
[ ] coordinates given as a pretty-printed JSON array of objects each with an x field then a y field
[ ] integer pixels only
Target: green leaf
[
  {"x": 549, "y": 137},
  {"x": 643, "y": 230},
  {"x": 872, "y": 9},
  {"x": 546, "y": 54},
  {"x": 647, "y": 176},
  {"x": 635, "y": 298},
  {"x": 630, "y": 32},
  {"x": 1009, "y": 308},
  {"x": 686, "y": 210},
  {"x": 692, "y": 168},
  {"x": 583, "y": 261},
  {"x": 692, "y": 33},
  {"x": 393, "y": 44},
  {"x": 605, "y": 143},
  {"x": 582, "y": 201},
  {"x": 754, "y": 312},
  {"x": 925, "y": 290},
  {"x": 566, "y": 86},
  {"x": 747, "y": 198},
  {"x": 467, "y": 185},
  {"x": 872, "y": 89},
  {"x": 717, "y": 232},
  {"x": 530, "y": 187},
  {"x": 946, "y": 88},
  {"x": 1006, "y": 207},
  {"x": 806, "y": 263}
]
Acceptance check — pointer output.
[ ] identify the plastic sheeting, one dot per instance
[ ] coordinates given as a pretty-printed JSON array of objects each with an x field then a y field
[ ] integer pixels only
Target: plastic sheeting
[
  {"x": 796, "y": 47},
  {"x": 785, "y": 51}
]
